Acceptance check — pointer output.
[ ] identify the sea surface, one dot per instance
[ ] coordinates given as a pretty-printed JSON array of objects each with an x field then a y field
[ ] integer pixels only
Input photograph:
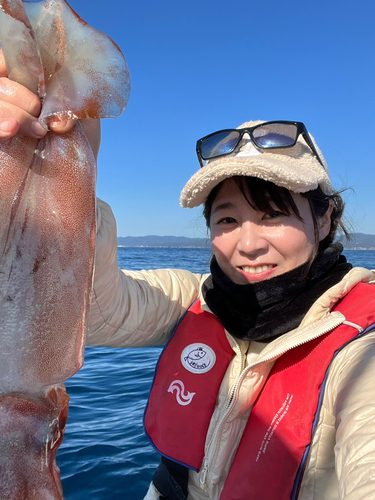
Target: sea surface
[{"x": 105, "y": 454}]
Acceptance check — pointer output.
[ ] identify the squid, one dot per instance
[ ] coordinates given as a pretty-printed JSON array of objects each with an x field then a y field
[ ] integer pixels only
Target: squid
[{"x": 47, "y": 232}]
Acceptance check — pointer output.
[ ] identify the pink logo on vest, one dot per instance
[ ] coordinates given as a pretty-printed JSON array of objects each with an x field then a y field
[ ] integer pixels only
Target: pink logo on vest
[{"x": 182, "y": 398}]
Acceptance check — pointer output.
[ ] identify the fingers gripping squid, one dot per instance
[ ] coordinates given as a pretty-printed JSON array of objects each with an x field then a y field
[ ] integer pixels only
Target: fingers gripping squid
[{"x": 47, "y": 232}]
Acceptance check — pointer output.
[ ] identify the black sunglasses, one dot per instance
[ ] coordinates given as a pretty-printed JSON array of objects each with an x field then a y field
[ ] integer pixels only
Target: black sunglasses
[{"x": 267, "y": 135}]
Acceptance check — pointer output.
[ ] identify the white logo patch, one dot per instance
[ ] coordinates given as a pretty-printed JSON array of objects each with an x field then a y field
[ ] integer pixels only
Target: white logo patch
[
  {"x": 198, "y": 358},
  {"x": 182, "y": 398}
]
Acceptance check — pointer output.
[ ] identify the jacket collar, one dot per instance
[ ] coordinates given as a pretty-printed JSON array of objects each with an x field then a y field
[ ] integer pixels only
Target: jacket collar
[{"x": 318, "y": 320}]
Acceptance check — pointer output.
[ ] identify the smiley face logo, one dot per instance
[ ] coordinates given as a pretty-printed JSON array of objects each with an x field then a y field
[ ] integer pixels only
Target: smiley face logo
[{"x": 198, "y": 358}]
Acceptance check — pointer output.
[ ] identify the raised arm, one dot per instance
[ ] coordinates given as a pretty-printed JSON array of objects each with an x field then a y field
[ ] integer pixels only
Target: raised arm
[
  {"x": 134, "y": 308},
  {"x": 128, "y": 308}
]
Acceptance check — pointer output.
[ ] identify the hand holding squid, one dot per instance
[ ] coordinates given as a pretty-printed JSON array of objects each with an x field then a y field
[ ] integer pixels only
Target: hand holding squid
[{"x": 20, "y": 109}]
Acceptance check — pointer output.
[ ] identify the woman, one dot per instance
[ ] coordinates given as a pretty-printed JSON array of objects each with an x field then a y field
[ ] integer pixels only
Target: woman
[
  {"x": 265, "y": 389},
  {"x": 276, "y": 280}
]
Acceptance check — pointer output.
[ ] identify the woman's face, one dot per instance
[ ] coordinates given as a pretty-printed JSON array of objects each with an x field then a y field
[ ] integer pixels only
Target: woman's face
[{"x": 252, "y": 246}]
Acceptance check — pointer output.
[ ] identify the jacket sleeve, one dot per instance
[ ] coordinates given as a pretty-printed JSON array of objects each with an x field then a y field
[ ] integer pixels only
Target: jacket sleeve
[
  {"x": 355, "y": 422},
  {"x": 134, "y": 308}
]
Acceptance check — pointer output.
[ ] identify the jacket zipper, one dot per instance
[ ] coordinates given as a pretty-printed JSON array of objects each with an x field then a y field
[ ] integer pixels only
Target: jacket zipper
[{"x": 209, "y": 458}]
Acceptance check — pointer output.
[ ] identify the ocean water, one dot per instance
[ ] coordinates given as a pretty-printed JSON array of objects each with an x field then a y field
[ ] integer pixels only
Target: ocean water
[{"x": 105, "y": 454}]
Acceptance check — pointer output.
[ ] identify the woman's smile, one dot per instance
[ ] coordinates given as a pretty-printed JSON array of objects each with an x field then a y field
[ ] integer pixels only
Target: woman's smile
[{"x": 258, "y": 272}]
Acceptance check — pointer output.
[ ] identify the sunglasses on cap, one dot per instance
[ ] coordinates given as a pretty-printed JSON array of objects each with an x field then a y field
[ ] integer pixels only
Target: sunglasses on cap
[{"x": 267, "y": 135}]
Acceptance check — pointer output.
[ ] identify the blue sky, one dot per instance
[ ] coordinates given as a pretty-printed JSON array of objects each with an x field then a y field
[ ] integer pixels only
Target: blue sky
[{"x": 198, "y": 66}]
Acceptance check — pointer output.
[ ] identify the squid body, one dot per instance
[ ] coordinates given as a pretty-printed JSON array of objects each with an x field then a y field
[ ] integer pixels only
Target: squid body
[{"x": 47, "y": 232}]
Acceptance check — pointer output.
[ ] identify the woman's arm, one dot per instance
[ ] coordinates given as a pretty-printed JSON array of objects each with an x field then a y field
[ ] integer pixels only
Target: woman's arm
[
  {"x": 128, "y": 308},
  {"x": 355, "y": 422},
  {"x": 134, "y": 308}
]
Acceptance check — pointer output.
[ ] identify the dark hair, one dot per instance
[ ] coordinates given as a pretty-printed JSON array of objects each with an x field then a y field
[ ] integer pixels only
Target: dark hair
[{"x": 259, "y": 194}]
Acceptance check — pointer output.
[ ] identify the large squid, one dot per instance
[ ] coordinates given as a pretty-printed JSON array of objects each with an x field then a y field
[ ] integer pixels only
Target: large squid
[{"x": 47, "y": 232}]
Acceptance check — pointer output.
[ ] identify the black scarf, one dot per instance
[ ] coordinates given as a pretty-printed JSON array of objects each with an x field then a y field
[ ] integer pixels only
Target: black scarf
[{"x": 263, "y": 311}]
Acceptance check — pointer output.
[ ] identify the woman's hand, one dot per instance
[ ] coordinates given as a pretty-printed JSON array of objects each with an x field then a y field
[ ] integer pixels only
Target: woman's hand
[{"x": 20, "y": 108}]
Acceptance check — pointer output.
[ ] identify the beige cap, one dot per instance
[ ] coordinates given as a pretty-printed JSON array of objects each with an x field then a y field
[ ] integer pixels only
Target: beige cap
[{"x": 295, "y": 168}]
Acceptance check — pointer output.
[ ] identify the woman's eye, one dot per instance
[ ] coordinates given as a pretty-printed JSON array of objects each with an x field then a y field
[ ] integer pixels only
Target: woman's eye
[
  {"x": 273, "y": 215},
  {"x": 227, "y": 220}
]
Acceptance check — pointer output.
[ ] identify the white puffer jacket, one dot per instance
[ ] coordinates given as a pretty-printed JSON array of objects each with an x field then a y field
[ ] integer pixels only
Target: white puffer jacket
[{"x": 142, "y": 309}]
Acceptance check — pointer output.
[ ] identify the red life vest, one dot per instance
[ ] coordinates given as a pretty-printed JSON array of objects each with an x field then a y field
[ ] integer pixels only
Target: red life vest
[{"x": 278, "y": 433}]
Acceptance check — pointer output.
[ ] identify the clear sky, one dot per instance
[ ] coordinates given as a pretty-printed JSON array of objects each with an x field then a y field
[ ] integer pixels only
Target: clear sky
[{"x": 198, "y": 66}]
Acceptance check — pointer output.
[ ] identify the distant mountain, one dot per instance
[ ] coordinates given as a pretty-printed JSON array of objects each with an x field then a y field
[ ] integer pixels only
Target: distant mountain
[
  {"x": 162, "y": 241},
  {"x": 359, "y": 241}
]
